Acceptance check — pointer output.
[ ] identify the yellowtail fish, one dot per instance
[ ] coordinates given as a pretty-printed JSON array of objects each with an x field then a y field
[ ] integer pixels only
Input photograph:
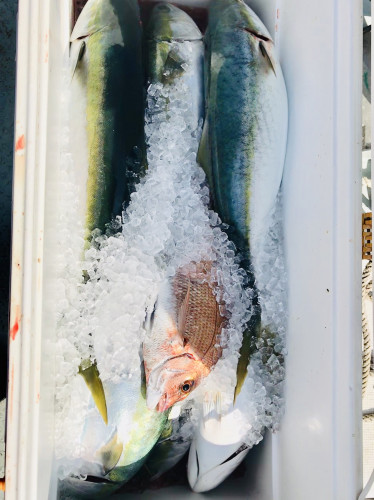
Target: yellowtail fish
[
  {"x": 107, "y": 108},
  {"x": 183, "y": 340},
  {"x": 243, "y": 145},
  {"x": 106, "y": 123}
]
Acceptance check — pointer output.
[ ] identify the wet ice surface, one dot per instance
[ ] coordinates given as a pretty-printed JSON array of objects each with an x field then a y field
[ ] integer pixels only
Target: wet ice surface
[{"x": 168, "y": 224}]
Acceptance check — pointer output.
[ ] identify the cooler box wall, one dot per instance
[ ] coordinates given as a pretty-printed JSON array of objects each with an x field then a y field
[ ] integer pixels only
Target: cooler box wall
[{"x": 317, "y": 453}]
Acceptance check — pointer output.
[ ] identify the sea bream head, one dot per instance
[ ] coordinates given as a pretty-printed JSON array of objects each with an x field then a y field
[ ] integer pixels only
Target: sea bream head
[
  {"x": 174, "y": 380},
  {"x": 181, "y": 345}
]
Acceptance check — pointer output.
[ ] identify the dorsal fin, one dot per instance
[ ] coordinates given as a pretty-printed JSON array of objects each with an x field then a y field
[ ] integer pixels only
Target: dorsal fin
[
  {"x": 89, "y": 20},
  {"x": 183, "y": 312},
  {"x": 77, "y": 51},
  {"x": 110, "y": 453}
]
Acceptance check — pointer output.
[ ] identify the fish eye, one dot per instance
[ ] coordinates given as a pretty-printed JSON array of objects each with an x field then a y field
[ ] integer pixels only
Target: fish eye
[{"x": 187, "y": 386}]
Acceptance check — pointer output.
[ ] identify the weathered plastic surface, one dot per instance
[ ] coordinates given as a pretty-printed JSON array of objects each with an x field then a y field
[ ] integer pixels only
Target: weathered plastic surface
[{"x": 317, "y": 454}]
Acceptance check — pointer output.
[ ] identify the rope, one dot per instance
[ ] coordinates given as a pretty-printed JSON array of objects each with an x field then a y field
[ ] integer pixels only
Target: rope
[
  {"x": 368, "y": 415},
  {"x": 367, "y": 284}
]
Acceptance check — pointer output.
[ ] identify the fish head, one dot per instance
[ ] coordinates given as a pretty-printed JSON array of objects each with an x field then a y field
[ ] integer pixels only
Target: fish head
[
  {"x": 235, "y": 14},
  {"x": 168, "y": 23},
  {"x": 227, "y": 16},
  {"x": 166, "y": 31},
  {"x": 173, "y": 381}
]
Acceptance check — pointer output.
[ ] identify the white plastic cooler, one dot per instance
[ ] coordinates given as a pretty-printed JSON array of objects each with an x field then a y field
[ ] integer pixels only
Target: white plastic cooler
[{"x": 317, "y": 453}]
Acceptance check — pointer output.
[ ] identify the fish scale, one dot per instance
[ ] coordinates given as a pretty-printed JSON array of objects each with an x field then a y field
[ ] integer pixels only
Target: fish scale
[{"x": 204, "y": 322}]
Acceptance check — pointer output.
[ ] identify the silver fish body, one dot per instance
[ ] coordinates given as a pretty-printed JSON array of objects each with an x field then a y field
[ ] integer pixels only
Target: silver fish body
[{"x": 106, "y": 116}]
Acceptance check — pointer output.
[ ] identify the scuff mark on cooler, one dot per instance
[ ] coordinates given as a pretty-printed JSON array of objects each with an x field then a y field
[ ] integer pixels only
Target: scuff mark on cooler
[
  {"x": 20, "y": 144},
  {"x": 14, "y": 329},
  {"x": 15, "y": 326}
]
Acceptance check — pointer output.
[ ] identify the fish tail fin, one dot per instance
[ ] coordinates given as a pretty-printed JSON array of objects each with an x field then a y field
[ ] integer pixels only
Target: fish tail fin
[
  {"x": 110, "y": 454},
  {"x": 91, "y": 376}
]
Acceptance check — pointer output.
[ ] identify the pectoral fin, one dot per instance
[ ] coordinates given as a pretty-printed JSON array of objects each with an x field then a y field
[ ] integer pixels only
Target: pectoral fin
[
  {"x": 77, "y": 51},
  {"x": 88, "y": 22},
  {"x": 267, "y": 55},
  {"x": 91, "y": 376},
  {"x": 110, "y": 454},
  {"x": 168, "y": 65},
  {"x": 174, "y": 67}
]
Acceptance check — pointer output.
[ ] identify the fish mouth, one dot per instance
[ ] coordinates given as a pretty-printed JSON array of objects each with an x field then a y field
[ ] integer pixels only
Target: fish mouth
[
  {"x": 156, "y": 397},
  {"x": 153, "y": 399},
  {"x": 164, "y": 404},
  {"x": 158, "y": 401}
]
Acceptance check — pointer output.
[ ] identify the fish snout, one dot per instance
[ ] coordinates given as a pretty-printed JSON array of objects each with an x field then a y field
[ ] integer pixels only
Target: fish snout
[
  {"x": 157, "y": 400},
  {"x": 164, "y": 404},
  {"x": 153, "y": 398}
]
